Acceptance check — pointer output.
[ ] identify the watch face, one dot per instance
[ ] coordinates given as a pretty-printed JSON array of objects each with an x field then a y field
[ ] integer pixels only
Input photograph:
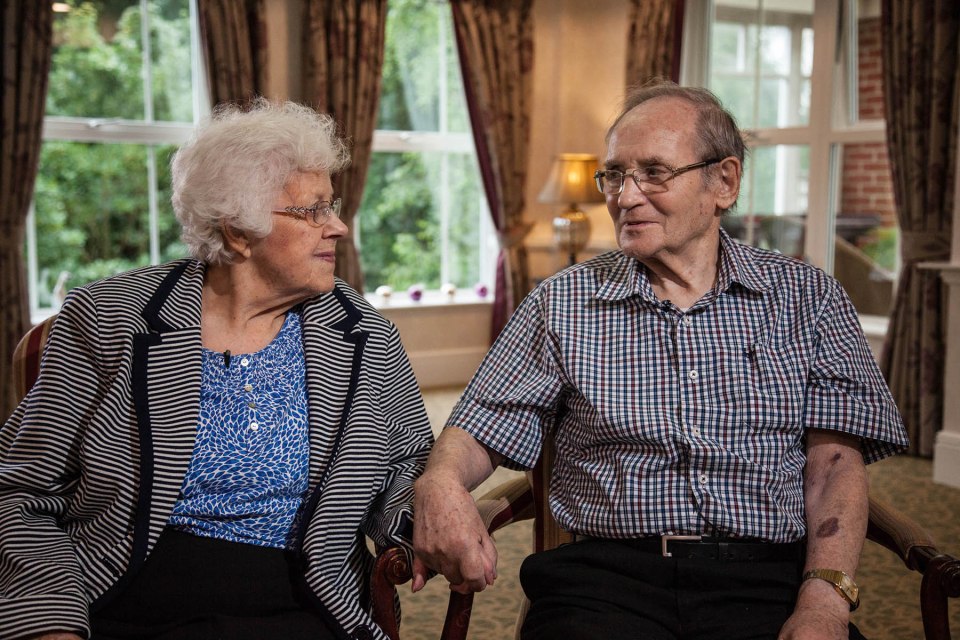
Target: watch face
[{"x": 849, "y": 587}]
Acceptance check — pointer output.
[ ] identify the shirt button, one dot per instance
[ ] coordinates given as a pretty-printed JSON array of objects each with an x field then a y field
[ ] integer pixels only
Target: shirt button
[
  {"x": 687, "y": 321},
  {"x": 703, "y": 479},
  {"x": 254, "y": 426},
  {"x": 696, "y": 431},
  {"x": 248, "y": 387},
  {"x": 693, "y": 375},
  {"x": 244, "y": 362}
]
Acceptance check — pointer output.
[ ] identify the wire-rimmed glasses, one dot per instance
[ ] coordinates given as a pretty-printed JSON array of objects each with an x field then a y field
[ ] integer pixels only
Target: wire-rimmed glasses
[
  {"x": 652, "y": 179},
  {"x": 316, "y": 215}
]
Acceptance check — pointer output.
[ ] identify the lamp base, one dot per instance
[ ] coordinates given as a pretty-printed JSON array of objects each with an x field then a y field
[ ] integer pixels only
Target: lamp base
[{"x": 571, "y": 232}]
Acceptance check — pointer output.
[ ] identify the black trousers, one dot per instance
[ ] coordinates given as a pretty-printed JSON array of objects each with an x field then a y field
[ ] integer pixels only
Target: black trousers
[
  {"x": 606, "y": 589},
  {"x": 194, "y": 588}
]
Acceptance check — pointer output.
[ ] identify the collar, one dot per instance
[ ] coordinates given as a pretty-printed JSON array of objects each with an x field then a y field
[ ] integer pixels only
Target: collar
[{"x": 627, "y": 277}]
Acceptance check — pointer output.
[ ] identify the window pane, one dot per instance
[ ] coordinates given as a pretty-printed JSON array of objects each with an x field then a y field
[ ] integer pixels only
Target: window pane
[
  {"x": 866, "y": 258},
  {"x": 761, "y": 61},
  {"x": 417, "y": 208},
  {"x": 97, "y": 69},
  {"x": 773, "y": 199},
  {"x": 421, "y": 87},
  {"x": 92, "y": 213},
  {"x": 867, "y": 80}
]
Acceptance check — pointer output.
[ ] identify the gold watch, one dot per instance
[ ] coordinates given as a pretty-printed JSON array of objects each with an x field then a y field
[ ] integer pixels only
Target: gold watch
[{"x": 843, "y": 583}]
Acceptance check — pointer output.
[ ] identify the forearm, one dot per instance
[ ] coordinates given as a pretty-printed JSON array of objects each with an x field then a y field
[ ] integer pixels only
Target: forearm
[
  {"x": 835, "y": 489},
  {"x": 458, "y": 456}
]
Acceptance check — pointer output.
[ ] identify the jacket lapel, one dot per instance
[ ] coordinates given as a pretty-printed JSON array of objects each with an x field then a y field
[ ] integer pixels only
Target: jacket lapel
[{"x": 166, "y": 393}]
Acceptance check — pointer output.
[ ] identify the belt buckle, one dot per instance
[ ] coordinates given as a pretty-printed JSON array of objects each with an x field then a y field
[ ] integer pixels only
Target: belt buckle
[{"x": 664, "y": 540}]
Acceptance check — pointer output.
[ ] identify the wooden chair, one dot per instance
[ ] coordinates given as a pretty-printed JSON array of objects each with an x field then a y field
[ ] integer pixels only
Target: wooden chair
[
  {"x": 527, "y": 498},
  {"x": 26, "y": 368}
]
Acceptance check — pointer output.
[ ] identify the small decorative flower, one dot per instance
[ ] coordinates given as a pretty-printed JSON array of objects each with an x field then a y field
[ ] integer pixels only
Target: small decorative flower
[
  {"x": 415, "y": 291},
  {"x": 385, "y": 291},
  {"x": 481, "y": 290},
  {"x": 449, "y": 289}
]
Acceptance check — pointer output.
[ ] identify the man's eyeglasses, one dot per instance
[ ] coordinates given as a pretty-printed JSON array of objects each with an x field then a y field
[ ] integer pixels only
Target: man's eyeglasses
[
  {"x": 652, "y": 179},
  {"x": 316, "y": 214}
]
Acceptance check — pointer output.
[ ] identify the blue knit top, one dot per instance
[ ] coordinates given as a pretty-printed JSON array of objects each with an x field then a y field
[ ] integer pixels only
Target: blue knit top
[{"x": 250, "y": 460}]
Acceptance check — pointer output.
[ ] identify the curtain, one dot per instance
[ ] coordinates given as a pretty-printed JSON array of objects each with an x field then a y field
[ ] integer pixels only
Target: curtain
[
  {"x": 343, "y": 62},
  {"x": 921, "y": 72},
  {"x": 495, "y": 43},
  {"x": 653, "y": 40},
  {"x": 235, "y": 45},
  {"x": 25, "y": 52}
]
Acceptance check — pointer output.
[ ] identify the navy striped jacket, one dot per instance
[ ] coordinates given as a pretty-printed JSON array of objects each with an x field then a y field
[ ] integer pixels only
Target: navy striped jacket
[{"x": 92, "y": 460}]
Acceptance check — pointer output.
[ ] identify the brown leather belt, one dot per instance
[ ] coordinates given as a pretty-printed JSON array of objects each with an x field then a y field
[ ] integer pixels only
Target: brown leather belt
[{"x": 707, "y": 548}]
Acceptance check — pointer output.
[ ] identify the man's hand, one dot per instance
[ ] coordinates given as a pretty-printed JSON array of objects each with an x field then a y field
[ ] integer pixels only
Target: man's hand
[
  {"x": 821, "y": 614},
  {"x": 449, "y": 536}
]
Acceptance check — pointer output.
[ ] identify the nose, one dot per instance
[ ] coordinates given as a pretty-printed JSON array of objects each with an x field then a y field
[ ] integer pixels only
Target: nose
[
  {"x": 334, "y": 228},
  {"x": 630, "y": 195}
]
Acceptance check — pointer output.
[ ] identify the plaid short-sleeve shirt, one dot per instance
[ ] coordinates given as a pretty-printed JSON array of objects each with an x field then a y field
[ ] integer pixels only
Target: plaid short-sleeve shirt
[{"x": 680, "y": 422}]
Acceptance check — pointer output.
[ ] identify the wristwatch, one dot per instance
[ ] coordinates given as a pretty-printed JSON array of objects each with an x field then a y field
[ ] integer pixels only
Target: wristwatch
[{"x": 843, "y": 583}]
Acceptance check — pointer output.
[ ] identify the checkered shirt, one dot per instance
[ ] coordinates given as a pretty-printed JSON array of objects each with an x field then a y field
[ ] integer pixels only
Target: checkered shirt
[{"x": 680, "y": 422}]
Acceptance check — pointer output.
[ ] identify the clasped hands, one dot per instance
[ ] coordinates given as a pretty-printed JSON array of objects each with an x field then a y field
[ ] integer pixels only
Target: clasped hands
[{"x": 450, "y": 538}]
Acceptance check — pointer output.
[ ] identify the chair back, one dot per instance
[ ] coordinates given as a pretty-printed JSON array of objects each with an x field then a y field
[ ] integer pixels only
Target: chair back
[{"x": 26, "y": 357}]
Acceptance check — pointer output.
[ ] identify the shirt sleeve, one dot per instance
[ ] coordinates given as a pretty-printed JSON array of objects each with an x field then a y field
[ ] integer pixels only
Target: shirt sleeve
[
  {"x": 846, "y": 391},
  {"x": 515, "y": 394}
]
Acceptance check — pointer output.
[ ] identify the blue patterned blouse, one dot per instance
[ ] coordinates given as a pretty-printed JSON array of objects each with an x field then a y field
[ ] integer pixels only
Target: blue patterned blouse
[{"x": 250, "y": 461}]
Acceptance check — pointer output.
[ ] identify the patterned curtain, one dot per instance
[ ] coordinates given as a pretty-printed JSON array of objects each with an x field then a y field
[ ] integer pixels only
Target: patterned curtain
[
  {"x": 235, "y": 43},
  {"x": 495, "y": 42},
  {"x": 25, "y": 51},
  {"x": 921, "y": 72},
  {"x": 653, "y": 40},
  {"x": 343, "y": 62}
]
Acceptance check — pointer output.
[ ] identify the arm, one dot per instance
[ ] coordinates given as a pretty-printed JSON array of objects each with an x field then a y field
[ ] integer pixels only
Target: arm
[
  {"x": 835, "y": 495},
  {"x": 448, "y": 534}
]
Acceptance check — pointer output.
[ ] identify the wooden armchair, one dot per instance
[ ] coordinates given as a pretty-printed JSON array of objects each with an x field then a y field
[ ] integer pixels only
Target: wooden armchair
[
  {"x": 527, "y": 498},
  {"x": 391, "y": 562}
]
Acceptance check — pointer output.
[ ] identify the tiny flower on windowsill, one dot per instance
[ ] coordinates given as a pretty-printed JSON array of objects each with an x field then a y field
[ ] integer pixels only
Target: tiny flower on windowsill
[
  {"x": 481, "y": 290},
  {"x": 448, "y": 289},
  {"x": 415, "y": 291},
  {"x": 385, "y": 291}
]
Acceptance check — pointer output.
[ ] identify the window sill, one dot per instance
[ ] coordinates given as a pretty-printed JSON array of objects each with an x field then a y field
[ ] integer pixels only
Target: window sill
[{"x": 431, "y": 298}]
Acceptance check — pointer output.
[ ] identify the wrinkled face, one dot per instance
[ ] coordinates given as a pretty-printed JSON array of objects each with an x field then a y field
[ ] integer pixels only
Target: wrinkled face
[
  {"x": 651, "y": 228},
  {"x": 297, "y": 259}
]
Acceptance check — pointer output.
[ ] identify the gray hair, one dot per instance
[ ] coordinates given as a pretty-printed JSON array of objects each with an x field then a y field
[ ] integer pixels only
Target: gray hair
[
  {"x": 717, "y": 134},
  {"x": 236, "y": 162}
]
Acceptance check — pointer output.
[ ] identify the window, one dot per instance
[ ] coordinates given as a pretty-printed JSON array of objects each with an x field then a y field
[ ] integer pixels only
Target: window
[
  {"x": 809, "y": 94},
  {"x": 118, "y": 105},
  {"x": 423, "y": 219}
]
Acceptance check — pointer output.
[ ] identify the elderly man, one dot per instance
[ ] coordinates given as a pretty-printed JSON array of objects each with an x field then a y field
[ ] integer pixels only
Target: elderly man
[{"x": 713, "y": 406}]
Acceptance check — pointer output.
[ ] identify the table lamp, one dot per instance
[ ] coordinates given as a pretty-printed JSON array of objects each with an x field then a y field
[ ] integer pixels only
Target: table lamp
[{"x": 571, "y": 182}]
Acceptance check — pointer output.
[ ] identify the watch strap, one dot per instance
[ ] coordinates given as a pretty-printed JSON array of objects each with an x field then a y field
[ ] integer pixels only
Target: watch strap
[{"x": 842, "y": 583}]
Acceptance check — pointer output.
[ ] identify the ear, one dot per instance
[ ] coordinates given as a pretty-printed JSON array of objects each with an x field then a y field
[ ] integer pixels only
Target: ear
[
  {"x": 234, "y": 239},
  {"x": 728, "y": 182}
]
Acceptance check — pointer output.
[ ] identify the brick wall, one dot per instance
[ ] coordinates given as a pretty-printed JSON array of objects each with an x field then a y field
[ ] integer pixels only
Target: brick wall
[{"x": 867, "y": 186}]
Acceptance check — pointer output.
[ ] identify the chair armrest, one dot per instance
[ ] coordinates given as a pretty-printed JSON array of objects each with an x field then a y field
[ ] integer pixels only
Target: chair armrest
[
  {"x": 391, "y": 568},
  {"x": 941, "y": 572}
]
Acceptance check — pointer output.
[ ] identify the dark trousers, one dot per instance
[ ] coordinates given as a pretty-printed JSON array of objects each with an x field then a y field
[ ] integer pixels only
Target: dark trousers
[
  {"x": 606, "y": 589},
  {"x": 194, "y": 588}
]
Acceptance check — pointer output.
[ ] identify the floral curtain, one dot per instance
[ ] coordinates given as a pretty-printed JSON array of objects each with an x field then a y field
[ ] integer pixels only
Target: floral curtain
[
  {"x": 25, "y": 52},
  {"x": 343, "y": 61},
  {"x": 653, "y": 40},
  {"x": 235, "y": 44},
  {"x": 921, "y": 72},
  {"x": 495, "y": 43}
]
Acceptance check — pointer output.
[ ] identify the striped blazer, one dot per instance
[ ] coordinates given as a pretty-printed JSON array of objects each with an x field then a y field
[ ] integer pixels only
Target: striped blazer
[{"x": 92, "y": 460}]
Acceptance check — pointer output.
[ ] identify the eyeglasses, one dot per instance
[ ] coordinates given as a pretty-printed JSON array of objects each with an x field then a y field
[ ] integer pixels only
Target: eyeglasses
[
  {"x": 652, "y": 179},
  {"x": 316, "y": 215}
]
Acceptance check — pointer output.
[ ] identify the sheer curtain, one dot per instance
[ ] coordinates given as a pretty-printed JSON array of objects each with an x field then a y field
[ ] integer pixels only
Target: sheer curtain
[
  {"x": 921, "y": 72},
  {"x": 495, "y": 43},
  {"x": 343, "y": 62},
  {"x": 26, "y": 45}
]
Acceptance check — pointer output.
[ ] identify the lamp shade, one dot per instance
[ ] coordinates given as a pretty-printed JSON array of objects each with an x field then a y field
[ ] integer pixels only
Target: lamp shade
[{"x": 571, "y": 180}]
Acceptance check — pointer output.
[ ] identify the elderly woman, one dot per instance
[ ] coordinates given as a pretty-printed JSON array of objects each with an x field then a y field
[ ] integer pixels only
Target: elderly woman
[{"x": 210, "y": 440}]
